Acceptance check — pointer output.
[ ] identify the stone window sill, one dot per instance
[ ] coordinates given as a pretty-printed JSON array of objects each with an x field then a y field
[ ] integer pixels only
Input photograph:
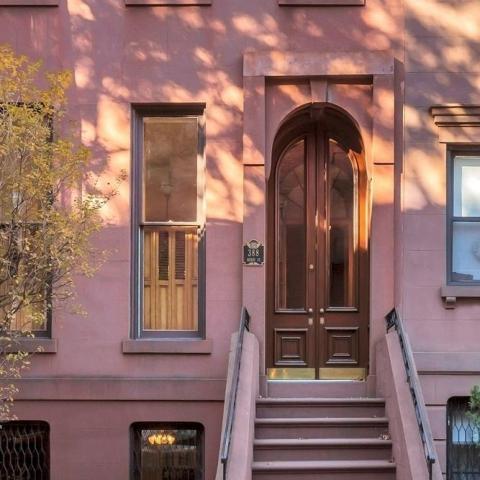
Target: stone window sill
[
  {"x": 33, "y": 345},
  {"x": 450, "y": 293},
  {"x": 166, "y": 3},
  {"x": 29, "y": 3},
  {"x": 320, "y": 3},
  {"x": 170, "y": 347}
]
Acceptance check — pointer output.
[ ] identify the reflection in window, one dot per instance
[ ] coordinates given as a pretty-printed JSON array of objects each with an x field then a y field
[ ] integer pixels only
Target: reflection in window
[
  {"x": 465, "y": 227},
  {"x": 167, "y": 452},
  {"x": 342, "y": 224},
  {"x": 291, "y": 255},
  {"x": 170, "y": 169}
]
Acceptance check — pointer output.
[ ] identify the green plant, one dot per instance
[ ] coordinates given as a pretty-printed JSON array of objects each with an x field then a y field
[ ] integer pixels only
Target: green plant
[{"x": 474, "y": 405}]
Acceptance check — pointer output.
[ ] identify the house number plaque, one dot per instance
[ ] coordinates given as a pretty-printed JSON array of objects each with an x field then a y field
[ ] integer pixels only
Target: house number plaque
[{"x": 253, "y": 253}]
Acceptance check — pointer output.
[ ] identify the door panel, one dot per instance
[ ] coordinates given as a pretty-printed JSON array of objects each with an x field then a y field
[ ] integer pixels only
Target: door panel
[
  {"x": 292, "y": 336},
  {"x": 317, "y": 307}
]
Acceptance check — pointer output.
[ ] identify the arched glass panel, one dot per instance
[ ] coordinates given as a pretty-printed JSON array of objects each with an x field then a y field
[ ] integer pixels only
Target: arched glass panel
[
  {"x": 342, "y": 228},
  {"x": 291, "y": 225}
]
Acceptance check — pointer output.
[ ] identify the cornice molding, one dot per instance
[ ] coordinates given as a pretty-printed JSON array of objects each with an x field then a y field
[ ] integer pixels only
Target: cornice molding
[{"x": 456, "y": 115}]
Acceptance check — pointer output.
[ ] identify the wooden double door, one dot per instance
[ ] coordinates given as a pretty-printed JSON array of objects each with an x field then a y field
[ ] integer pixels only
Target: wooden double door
[{"x": 317, "y": 265}]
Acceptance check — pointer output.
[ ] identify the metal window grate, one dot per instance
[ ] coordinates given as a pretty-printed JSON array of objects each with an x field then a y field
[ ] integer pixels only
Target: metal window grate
[
  {"x": 24, "y": 451},
  {"x": 463, "y": 444},
  {"x": 167, "y": 452}
]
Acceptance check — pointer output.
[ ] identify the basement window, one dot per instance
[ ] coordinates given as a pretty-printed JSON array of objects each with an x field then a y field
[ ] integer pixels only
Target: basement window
[
  {"x": 463, "y": 442},
  {"x": 25, "y": 450},
  {"x": 162, "y": 451}
]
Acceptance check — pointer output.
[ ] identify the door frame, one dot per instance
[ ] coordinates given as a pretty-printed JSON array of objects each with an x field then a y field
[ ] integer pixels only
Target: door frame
[
  {"x": 314, "y": 333},
  {"x": 368, "y": 86}
]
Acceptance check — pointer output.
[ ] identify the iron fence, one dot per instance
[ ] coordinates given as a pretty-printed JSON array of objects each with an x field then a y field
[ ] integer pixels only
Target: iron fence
[
  {"x": 24, "y": 451},
  {"x": 463, "y": 444}
]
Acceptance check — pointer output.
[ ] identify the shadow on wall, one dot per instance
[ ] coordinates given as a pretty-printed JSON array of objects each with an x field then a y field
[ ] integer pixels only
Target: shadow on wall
[{"x": 124, "y": 54}]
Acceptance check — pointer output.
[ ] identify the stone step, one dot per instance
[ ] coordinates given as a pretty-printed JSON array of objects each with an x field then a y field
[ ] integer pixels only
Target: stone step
[
  {"x": 322, "y": 449},
  {"x": 315, "y": 388},
  {"x": 324, "y": 470},
  {"x": 320, "y": 407},
  {"x": 321, "y": 427}
]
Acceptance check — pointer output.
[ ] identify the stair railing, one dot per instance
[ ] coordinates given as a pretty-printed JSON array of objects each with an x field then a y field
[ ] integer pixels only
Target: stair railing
[
  {"x": 232, "y": 397},
  {"x": 394, "y": 321}
]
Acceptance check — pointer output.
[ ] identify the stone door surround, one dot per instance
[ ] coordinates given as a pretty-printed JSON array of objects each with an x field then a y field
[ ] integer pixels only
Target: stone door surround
[{"x": 362, "y": 83}]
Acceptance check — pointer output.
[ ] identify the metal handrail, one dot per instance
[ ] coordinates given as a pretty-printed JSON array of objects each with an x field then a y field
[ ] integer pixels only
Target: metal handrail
[
  {"x": 232, "y": 397},
  {"x": 394, "y": 321}
]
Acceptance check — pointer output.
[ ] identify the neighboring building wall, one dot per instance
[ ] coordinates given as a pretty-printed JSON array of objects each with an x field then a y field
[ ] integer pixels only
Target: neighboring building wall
[{"x": 441, "y": 48}]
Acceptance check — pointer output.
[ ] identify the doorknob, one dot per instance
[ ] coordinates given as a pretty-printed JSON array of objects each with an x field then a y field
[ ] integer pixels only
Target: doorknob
[
  {"x": 322, "y": 310},
  {"x": 310, "y": 310},
  {"x": 311, "y": 267}
]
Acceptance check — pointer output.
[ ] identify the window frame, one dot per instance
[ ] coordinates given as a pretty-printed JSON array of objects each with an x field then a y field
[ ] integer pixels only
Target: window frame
[
  {"x": 155, "y": 425},
  {"x": 452, "y": 152},
  {"x": 139, "y": 112},
  {"x": 45, "y": 333}
]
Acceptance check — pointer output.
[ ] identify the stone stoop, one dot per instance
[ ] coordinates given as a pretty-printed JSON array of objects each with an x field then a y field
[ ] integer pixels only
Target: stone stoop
[{"x": 322, "y": 438}]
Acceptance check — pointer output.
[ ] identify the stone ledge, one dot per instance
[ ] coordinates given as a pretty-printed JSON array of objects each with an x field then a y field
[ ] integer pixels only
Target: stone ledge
[
  {"x": 450, "y": 293},
  {"x": 171, "y": 347},
  {"x": 320, "y": 3},
  {"x": 455, "y": 115},
  {"x": 33, "y": 345},
  {"x": 29, "y": 3},
  {"x": 119, "y": 388},
  {"x": 167, "y": 3}
]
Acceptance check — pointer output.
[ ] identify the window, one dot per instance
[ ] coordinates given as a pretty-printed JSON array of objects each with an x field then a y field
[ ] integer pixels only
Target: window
[
  {"x": 464, "y": 217},
  {"x": 463, "y": 442},
  {"x": 169, "y": 237},
  {"x": 167, "y": 451},
  {"x": 24, "y": 450},
  {"x": 24, "y": 307},
  {"x": 17, "y": 240}
]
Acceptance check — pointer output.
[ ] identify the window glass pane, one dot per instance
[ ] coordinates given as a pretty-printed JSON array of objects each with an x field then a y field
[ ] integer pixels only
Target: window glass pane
[
  {"x": 291, "y": 224},
  {"x": 170, "y": 278},
  {"x": 342, "y": 224},
  {"x": 170, "y": 169},
  {"x": 167, "y": 453},
  {"x": 466, "y": 186},
  {"x": 465, "y": 251}
]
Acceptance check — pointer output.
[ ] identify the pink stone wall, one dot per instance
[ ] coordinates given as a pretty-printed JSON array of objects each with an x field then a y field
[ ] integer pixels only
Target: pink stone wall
[
  {"x": 122, "y": 55},
  {"x": 92, "y": 440}
]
